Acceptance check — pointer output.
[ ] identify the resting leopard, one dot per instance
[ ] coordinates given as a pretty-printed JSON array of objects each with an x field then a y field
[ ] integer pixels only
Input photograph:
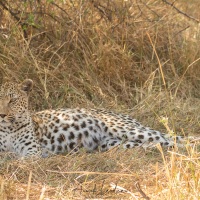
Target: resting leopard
[{"x": 66, "y": 130}]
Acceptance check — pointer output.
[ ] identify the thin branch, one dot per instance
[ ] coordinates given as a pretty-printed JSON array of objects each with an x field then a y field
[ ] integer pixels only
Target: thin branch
[
  {"x": 181, "y": 30},
  {"x": 10, "y": 11},
  {"x": 148, "y": 7},
  {"x": 53, "y": 3},
  {"x": 99, "y": 7},
  {"x": 22, "y": 24},
  {"x": 137, "y": 185},
  {"x": 181, "y": 12}
]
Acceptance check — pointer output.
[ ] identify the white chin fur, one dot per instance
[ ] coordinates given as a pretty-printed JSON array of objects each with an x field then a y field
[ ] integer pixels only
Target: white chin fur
[{"x": 5, "y": 124}]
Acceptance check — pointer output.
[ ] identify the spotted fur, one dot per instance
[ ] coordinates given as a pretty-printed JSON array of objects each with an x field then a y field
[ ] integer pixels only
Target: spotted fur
[{"x": 65, "y": 130}]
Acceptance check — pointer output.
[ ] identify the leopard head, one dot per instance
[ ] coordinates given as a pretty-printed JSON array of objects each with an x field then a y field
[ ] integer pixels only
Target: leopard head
[{"x": 14, "y": 101}]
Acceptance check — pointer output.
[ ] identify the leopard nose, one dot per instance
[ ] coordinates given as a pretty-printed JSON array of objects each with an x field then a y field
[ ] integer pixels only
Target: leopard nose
[{"x": 2, "y": 115}]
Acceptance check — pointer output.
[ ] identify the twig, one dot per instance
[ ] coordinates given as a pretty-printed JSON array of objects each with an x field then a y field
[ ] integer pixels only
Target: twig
[
  {"x": 89, "y": 173},
  {"x": 148, "y": 7},
  {"x": 99, "y": 7},
  {"x": 184, "y": 75},
  {"x": 137, "y": 185},
  {"x": 179, "y": 11},
  {"x": 53, "y": 3},
  {"x": 16, "y": 18},
  {"x": 123, "y": 190},
  {"x": 22, "y": 24},
  {"x": 29, "y": 186},
  {"x": 181, "y": 30}
]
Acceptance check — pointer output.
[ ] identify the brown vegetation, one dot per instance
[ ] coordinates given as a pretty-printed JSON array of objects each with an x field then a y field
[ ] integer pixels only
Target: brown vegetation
[{"x": 132, "y": 56}]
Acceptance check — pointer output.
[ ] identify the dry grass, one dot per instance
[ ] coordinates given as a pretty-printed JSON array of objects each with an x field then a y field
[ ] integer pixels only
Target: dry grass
[
  {"x": 88, "y": 176},
  {"x": 134, "y": 57}
]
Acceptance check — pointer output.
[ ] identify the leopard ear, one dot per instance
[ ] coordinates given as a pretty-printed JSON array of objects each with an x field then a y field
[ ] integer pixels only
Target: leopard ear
[{"x": 26, "y": 85}]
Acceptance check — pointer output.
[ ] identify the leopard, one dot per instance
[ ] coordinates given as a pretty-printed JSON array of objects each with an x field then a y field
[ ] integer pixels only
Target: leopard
[{"x": 55, "y": 131}]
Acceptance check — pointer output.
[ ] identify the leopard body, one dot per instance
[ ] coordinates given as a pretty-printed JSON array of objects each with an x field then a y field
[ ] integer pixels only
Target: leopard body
[{"x": 66, "y": 130}]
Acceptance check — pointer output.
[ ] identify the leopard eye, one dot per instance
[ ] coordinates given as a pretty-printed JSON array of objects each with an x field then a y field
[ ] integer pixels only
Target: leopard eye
[{"x": 13, "y": 100}]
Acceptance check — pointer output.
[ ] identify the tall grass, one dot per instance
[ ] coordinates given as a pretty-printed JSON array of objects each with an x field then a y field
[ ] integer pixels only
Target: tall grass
[{"x": 132, "y": 56}]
